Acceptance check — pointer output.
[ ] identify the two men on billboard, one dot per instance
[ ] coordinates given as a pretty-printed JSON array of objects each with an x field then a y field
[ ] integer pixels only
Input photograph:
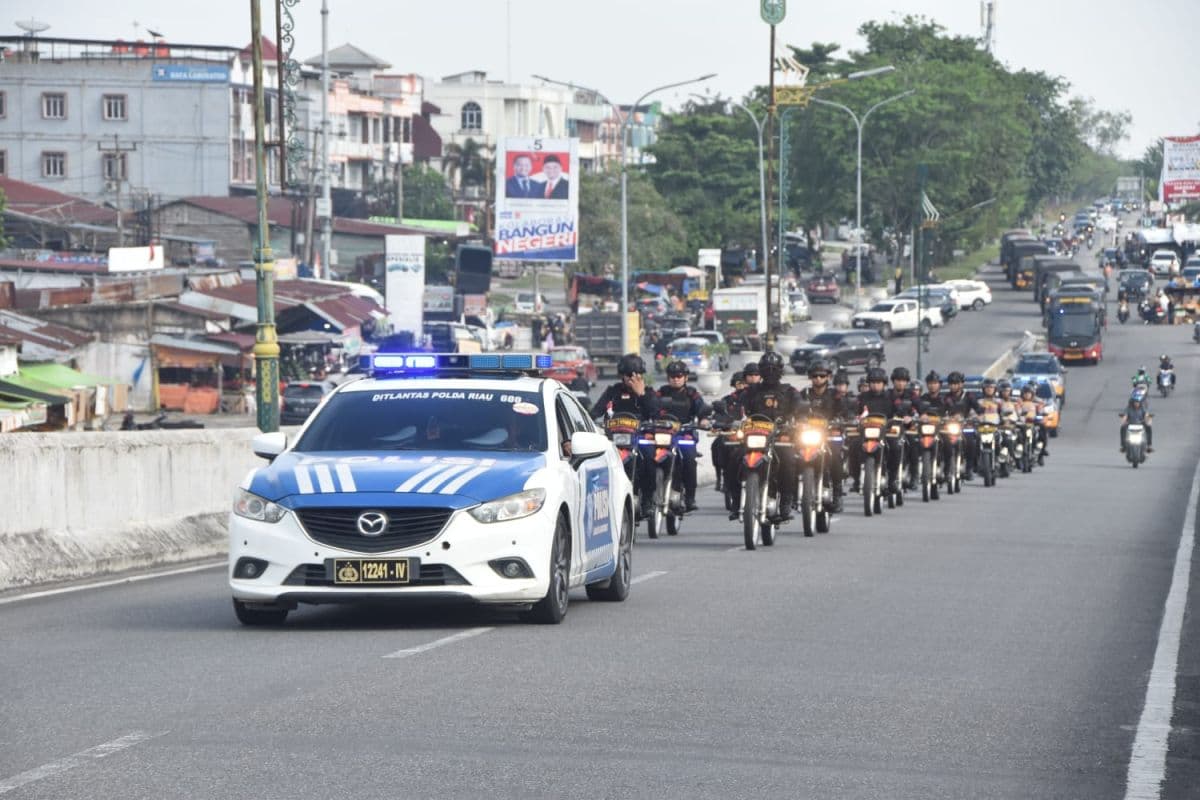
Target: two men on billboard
[
  {"x": 523, "y": 184},
  {"x": 537, "y": 212}
]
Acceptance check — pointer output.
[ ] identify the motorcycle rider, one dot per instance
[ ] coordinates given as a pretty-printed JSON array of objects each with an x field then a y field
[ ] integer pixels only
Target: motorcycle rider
[
  {"x": 931, "y": 399},
  {"x": 778, "y": 401},
  {"x": 725, "y": 411},
  {"x": 630, "y": 395},
  {"x": 1136, "y": 412},
  {"x": 685, "y": 404},
  {"x": 906, "y": 402},
  {"x": 963, "y": 403},
  {"x": 1029, "y": 408},
  {"x": 875, "y": 401},
  {"x": 1166, "y": 365},
  {"x": 823, "y": 402}
]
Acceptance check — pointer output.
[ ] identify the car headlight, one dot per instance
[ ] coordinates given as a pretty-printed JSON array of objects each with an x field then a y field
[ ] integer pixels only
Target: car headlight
[
  {"x": 251, "y": 506},
  {"x": 515, "y": 506}
]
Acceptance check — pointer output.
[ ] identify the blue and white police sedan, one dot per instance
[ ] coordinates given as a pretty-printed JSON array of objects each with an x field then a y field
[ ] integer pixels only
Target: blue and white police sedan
[{"x": 436, "y": 478}]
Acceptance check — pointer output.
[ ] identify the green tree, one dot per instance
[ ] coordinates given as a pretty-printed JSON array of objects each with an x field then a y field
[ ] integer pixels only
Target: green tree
[
  {"x": 1101, "y": 130},
  {"x": 1150, "y": 165},
  {"x": 466, "y": 164},
  {"x": 657, "y": 238},
  {"x": 426, "y": 195}
]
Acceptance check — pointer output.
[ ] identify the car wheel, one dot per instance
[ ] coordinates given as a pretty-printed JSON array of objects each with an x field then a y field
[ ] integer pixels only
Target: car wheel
[
  {"x": 885, "y": 331},
  {"x": 256, "y": 617},
  {"x": 551, "y": 609},
  {"x": 616, "y": 588},
  {"x": 977, "y": 305}
]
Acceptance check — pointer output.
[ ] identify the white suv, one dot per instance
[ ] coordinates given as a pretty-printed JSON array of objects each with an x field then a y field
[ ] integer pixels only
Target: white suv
[
  {"x": 971, "y": 294},
  {"x": 1164, "y": 262}
]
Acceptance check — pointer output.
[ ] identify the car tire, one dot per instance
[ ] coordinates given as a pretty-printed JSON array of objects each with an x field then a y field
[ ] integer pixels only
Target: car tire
[
  {"x": 259, "y": 617},
  {"x": 616, "y": 588},
  {"x": 885, "y": 331},
  {"x": 977, "y": 305},
  {"x": 552, "y": 608}
]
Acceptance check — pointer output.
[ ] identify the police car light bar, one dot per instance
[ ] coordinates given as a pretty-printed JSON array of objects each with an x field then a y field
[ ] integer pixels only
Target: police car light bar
[{"x": 431, "y": 364}]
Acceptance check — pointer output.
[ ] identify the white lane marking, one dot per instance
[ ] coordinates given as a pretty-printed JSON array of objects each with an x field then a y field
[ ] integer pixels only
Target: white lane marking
[
  {"x": 303, "y": 482},
  {"x": 324, "y": 478},
  {"x": 436, "y": 643},
  {"x": 409, "y": 484},
  {"x": 71, "y": 762},
  {"x": 114, "y": 582},
  {"x": 736, "y": 549},
  {"x": 345, "y": 478},
  {"x": 462, "y": 480},
  {"x": 437, "y": 480},
  {"x": 1148, "y": 761},
  {"x": 647, "y": 576}
]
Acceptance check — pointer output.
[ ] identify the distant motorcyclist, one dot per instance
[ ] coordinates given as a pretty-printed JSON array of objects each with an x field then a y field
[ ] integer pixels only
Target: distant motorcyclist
[
  {"x": 963, "y": 403},
  {"x": 1140, "y": 377},
  {"x": 630, "y": 395},
  {"x": 1167, "y": 367},
  {"x": 685, "y": 404},
  {"x": 1137, "y": 413},
  {"x": 823, "y": 402},
  {"x": 1030, "y": 408},
  {"x": 906, "y": 403},
  {"x": 777, "y": 401}
]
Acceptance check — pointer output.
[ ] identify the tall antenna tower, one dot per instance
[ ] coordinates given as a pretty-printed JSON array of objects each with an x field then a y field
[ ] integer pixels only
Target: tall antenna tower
[{"x": 987, "y": 21}]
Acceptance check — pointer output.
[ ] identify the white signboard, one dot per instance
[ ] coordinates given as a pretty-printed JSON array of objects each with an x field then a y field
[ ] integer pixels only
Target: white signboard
[
  {"x": 134, "y": 259},
  {"x": 537, "y": 199},
  {"x": 1181, "y": 169},
  {"x": 404, "y": 282}
]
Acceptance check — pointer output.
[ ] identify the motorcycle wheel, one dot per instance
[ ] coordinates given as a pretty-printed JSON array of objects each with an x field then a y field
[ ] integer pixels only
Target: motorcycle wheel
[
  {"x": 768, "y": 534},
  {"x": 751, "y": 495},
  {"x": 654, "y": 522},
  {"x": 901, "y": 476},
  {"x": 809, "y": 501},
  {"x": 927, "y": 488},
  {"x": 1003, "y": 469},
  {"x": 985, "y": 468},
  {"x": 1041, "y": 458},
  {"x": 868, "y": 485}
]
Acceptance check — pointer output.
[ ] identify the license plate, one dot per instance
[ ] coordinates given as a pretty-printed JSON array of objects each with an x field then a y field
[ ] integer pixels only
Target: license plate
[
  {"x": 364, "y": 571},
  {"x": 1074, "y": 354}
]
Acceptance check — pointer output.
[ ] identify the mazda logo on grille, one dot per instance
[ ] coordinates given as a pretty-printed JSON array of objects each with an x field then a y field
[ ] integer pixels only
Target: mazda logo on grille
[{"x": 372, "y": 523}]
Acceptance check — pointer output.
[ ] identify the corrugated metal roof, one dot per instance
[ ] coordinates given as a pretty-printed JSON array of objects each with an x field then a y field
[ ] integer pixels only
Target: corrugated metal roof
[
  {"x": 279, "y": 214},
  {"x": 52, "y": 206},
  {"x": 194, "y": 345}
]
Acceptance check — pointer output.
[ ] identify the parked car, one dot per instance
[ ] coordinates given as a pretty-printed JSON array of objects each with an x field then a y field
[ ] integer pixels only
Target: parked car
[
  {"x": 801, "y": 310},
  {"x": 529, "y": 303},
  {"x": 823, "y": 286},
  {"x": 571, "y": 363},
  {"x": 717, "y": 346},
  {"x": 942, "y": 297},
  {"x": 971, "y": 294},
  {"x": 841, "y": 349},
  {"x": 301, "y": 398}
]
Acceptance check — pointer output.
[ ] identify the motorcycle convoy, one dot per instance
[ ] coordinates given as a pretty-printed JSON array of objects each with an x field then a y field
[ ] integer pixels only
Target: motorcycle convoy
[{"x": 779, "y": 452}]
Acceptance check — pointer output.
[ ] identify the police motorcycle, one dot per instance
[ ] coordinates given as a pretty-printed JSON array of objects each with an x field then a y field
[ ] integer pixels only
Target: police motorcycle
[
  {"x": 764, "y": 443},
  {"x": 667, "y": 436},
  {"x": 813, "y": 454},
  {"x": 1135, "y": 443},
  {"x": 624, "y": 430},
  {"x": 897, "y": 443},
  {"x": 929, "y": 441},
  {"x": 952, "y": 432},
  {"x": 1123, "y": 311},
  {"x": 873, "y": 462},
  {"x": 991, "y": 451}
]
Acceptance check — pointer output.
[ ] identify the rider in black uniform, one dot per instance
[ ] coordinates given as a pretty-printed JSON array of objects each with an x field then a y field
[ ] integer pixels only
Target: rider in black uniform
[
  {"x": 823, "y": 402},
  {"x": 778, "y": 401},
  {"x": 630, "y": 395},
  {"x": 906, "y": 402},
  {"x": 685, "y": 404},
  {"x": 964, "y": 404},
  {"x": 725, "y": 412}
]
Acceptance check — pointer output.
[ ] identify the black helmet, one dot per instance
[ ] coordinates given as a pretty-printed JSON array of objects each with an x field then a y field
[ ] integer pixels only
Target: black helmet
[
  {"x": 862, "y": 383},
  {"x": 1026, "y": 387},
  {"x": 738, "y": 377},
  {"x": 955, "y": 377},
  {"x": 1003, "y": 386},
  {"x": 841, "y": 378},
  {"x": 676, "y": 368},
  {"x": 901, "y": 374},
  {"x": 630, "y": 364},
  {"x": 876, "y": 374},
  {"x": 750, "y": 369},
  {"x": 988, "y": 382},
  {"x": 1164, "y": 357},
  {"x": 819, "y": 367},
  {"x": 771, "y": 366},
  {"x": 933, "y": 377}
]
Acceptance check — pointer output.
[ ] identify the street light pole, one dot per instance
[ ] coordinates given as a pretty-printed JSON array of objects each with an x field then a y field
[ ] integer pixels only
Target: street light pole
[
  {"x": 266, "y": 344},
  {"x": 625, "y": 119},
  {"x": 858, "y": 124}
]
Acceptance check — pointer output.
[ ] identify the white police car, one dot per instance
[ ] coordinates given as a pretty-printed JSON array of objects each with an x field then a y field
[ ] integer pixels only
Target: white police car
[{"x": 436, "y": 478}]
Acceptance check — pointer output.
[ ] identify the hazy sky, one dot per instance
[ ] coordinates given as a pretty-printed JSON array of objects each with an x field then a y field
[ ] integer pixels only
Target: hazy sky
[{"x": 1139, "y": 56}]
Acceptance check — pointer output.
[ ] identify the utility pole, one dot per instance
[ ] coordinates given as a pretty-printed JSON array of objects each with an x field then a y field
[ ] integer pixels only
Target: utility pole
[
  {"x": 921, "y": 265},
  {"x": 325, "y": 207},
  {"x": 116, "y": 152},
  {"x": 266, "y": 345},
  {"x": 400, "y": 185},
  {"x": 770, "y": 340}
]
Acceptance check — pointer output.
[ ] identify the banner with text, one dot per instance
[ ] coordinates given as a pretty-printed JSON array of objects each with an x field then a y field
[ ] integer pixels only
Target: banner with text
[
  {"x": 537, "y": 199},
  {"x": 404, "y": 283},
  {"x": 1181, "y": 169}
]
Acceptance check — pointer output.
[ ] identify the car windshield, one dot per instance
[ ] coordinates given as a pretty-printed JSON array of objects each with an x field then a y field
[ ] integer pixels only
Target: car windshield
[
  {"x": 883, "y": 307},
  {"x": 688, "y": 345},
  {"x": 307, "y": 391},
  {"x": 428, "y": 419},
  {"x": 826, "y": 338},
  {"x": 1076, "y": 324},
  {"x": 564, "y": 354},
  {"x": 1036, "y": 366}
]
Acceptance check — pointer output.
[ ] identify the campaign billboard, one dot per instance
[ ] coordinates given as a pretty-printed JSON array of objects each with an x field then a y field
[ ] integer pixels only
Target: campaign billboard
[
  {"x": 537, "y": 199},
  {"x": 1180, "y": 178},
  {"x": 404, "y": 282}
]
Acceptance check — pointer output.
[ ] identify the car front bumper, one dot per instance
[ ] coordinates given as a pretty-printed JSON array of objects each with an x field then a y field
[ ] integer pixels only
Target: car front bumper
[{"x": 454, "y": 564}]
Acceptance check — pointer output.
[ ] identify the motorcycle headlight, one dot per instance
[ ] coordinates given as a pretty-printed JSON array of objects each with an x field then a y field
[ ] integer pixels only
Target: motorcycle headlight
[
  {"x": 251, "y": 506},
  {"x": 515, "y": 506},
  {"x": 756, "y": 441},
  {"x": 871, "y": 433},
  {"x": 928, "y": 430},
  {"x": 953, "y": 428},
  {"x": 622, "y": 439},
  {"x": 663, "y": 439},
  {"x": 810, "y": 437}
]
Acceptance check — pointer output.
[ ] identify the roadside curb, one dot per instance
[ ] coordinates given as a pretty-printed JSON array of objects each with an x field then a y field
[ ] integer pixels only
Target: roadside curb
[{"x": 1009, "y": 358}]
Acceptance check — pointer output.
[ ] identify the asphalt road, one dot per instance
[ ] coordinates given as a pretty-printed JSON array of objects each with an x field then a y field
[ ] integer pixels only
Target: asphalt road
[{"x": 994, "y": 644}]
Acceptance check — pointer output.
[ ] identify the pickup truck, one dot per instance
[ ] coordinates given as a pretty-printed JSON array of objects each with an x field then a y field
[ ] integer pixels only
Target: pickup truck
[{"x": 898, "y": 316}]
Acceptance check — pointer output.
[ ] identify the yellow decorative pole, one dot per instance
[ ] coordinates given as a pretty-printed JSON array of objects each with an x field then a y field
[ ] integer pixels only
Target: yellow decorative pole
[{"x": 266, "y": 345}]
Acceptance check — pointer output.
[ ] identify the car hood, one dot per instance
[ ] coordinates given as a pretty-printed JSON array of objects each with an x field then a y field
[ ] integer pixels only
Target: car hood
[
  {"x": 444, "y": 478},
  {"x": 808, "y": 347}
]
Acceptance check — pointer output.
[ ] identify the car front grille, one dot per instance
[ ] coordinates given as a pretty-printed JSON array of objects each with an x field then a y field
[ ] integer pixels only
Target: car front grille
[
  {"x": 407, "y": 527},
  {"x": 431, "y": 575}
]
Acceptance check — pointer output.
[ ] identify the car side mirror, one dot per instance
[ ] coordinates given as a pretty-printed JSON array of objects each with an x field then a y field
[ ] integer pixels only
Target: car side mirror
[
  {"x": 269, "y": 445},
  {"x": 585, "y": 445}
]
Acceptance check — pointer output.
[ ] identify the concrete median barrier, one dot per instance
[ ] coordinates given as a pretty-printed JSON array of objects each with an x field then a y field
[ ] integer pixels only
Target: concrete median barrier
[{"x": 77, "y": 505}]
